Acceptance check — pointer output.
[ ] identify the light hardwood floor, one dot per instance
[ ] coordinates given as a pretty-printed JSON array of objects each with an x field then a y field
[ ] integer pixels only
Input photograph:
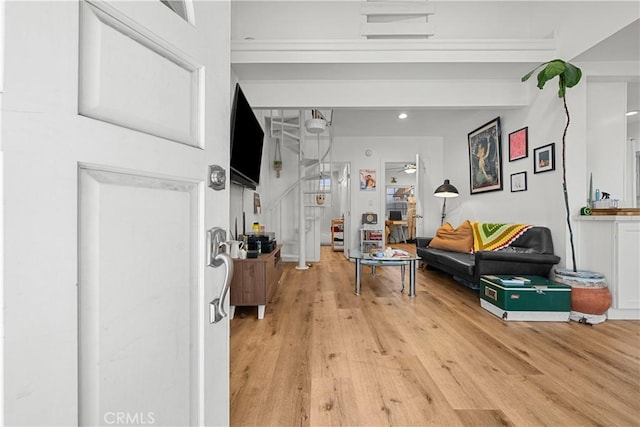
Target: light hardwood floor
[{"x": 323, "y": 356}]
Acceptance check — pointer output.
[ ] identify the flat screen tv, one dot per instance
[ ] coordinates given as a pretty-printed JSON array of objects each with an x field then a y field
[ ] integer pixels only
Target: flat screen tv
[{"x": 247, "y": 139}]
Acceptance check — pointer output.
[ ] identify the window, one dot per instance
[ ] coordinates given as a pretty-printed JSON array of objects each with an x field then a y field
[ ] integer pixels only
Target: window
[{"x": 397, "y": 199}]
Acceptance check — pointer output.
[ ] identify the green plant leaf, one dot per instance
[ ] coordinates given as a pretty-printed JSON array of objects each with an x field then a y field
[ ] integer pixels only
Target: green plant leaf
[
  {"x": 526, "y": 76},
  {"x": 550, "y": 71},
  {"x": 562, "y": 88},
  {"x": 572, "y": 75},
  {"x": 568, "y": 75}
]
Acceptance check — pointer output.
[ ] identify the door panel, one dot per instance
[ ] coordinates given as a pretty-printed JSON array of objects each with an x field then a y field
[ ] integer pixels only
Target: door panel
[
  {"x": 106, "y": 286},
  {"x": 139, "y": 340},
  {"x": 158, "y": 91}
]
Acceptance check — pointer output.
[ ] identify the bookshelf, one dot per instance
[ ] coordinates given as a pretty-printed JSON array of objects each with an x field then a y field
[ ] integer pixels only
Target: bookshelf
[
  {"x": 337, "y": 234},
  {"x": 371, "y": 239}
]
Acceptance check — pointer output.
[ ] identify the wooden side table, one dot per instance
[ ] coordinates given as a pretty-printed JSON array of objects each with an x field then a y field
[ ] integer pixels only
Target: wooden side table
[{"x": 255, "y": 280}]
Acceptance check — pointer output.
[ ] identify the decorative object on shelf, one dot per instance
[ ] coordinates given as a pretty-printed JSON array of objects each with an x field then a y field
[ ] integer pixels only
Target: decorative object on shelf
[
  {"x": 519, "y": 181},
  {"x": 590, "y": 195},
  {"x": 367, "y": 179},
  {"x": 519, "y": 144},
  {"x": 586, "y": 211},
  {"x": 568, "y": 76},
  {"x": 277, "y": 159},
  {"x": 544, "y": 158},
  {"x": 394, "y": 180},
  {"x": 445, "y": 191},
  {"x": 369, "y": 218},
  {"x": 320, "y": 199},
  {"x": 485, "y": 157}
]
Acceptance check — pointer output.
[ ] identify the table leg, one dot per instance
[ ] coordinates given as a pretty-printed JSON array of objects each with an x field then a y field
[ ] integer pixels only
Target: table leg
[
  {"x": 357, "y": 276},
  {"x": 412, "y": 278},
  {"x": 402, "y": 268}
]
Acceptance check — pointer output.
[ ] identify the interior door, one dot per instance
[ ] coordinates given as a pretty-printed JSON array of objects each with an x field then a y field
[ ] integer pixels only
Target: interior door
[
  {"x": 419, "y": 195},
  {"x": 111, "y": 114}
]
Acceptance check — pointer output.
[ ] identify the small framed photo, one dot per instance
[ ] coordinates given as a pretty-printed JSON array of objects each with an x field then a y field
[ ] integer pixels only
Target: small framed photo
[
  {"x": 544, "y": 158},
  {"x": 519, "y": 144},
  {"x": 518, "y": 182},
  {"x": 367, "y": 179}
]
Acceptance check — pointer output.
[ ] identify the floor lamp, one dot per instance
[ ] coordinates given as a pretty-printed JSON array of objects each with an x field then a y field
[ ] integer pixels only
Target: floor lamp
[{"x": 445, "y": 191}]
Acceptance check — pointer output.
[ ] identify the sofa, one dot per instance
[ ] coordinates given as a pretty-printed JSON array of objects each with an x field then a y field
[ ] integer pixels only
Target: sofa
[{"x": 527, "y": 252}]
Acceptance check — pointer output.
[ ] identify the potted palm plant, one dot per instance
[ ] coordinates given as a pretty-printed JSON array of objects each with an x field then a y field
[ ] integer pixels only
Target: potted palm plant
[{"x": 590, "y": 293}]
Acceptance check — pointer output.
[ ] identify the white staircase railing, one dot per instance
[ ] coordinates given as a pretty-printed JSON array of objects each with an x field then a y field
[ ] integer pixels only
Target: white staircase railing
[{"x": 313, "y": 180}]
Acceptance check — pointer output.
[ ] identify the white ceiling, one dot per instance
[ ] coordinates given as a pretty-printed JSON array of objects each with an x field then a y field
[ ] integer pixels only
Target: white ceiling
[
  {"x": 624, "y": 45},
  {"x": 621, "y": 46}
]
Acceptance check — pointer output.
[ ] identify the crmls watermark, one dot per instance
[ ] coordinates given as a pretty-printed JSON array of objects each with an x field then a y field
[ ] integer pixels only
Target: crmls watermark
[{"x": 129, "y": 418}]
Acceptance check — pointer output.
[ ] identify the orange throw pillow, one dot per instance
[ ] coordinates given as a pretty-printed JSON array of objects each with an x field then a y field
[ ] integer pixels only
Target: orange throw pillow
[{"x": 454, "y": 240}]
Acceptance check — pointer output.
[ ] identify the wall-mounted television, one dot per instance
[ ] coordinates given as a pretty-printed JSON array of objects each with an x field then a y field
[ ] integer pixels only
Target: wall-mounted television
[{"x": 247, "y": 138}]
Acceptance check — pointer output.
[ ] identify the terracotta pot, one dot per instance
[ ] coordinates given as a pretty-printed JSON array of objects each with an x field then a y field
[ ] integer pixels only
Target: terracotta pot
[
  {"x": 590, "y": 300},
  {"x": 589, "y": 291}
]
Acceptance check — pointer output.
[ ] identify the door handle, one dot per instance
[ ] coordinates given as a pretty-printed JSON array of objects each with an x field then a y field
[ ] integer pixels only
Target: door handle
[
  {"x": 216, "y": 306},
  {"x": 215, "y": 237}
]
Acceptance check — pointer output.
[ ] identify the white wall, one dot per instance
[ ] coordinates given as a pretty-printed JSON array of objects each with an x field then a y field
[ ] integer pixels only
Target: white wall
[
  {"x": 606, "y": 137},
  {"x": 389, "y": 149},
  {"x": 542, "y": 203}
]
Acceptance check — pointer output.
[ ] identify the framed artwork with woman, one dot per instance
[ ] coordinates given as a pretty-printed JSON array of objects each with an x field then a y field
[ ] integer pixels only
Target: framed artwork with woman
[{"x": 485, "y": 157}]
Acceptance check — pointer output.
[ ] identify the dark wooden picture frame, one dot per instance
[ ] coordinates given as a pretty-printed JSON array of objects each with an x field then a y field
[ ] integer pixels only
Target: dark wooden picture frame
[
  {"x": 544, "y": 158},
  {"x": 519, "y": 181},
  {"x": 485, "y": 158},
  {"x": 519, "y": 144}
]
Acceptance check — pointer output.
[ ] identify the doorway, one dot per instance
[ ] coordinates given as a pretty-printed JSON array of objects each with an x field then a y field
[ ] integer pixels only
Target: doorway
[{"x": 400, "y": 201}]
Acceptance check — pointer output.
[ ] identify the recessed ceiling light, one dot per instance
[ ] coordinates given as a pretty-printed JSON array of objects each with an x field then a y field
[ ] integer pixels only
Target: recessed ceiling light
[
  {"x": 402, "y": 116},
  {"x": 632, "y": 113}
]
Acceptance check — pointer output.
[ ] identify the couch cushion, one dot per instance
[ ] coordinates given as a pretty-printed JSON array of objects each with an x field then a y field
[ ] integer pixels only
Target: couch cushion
[
  {"x": 455, "y": 240},
  {"x": 455, "y": 261},
  {"x": 489, "y": 237}
]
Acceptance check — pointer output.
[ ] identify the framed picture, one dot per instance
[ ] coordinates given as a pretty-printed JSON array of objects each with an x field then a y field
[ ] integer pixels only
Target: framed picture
[
  {"x": 544, "y": 158},
  {"x": 257, "y": 208},
  {"x": 519, "y": 144},
  {"x": 367, "y": 179},
  {"x": 485, "y": 158},
  {"x": 518, "y": 182}
]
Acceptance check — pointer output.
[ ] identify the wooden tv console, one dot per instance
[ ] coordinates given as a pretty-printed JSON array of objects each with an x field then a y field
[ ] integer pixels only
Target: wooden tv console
[{"x": 255, "y": 280}]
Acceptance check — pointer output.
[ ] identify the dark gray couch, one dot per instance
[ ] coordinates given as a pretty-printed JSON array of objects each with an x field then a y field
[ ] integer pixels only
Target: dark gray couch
[{"x": 531, "y": 253}]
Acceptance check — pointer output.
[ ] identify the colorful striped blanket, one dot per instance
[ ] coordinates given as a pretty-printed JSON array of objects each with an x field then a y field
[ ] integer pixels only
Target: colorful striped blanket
[{"x": 489, "y": 237}]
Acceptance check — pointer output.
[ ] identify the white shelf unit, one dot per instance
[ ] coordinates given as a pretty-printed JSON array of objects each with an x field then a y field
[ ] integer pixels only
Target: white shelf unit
[
  {"x": 371, "y": 239},
  {"x": 337, "y": 234}
]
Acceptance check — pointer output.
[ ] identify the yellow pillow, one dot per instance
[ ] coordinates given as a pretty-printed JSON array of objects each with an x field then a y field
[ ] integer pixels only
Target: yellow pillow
[{"x": 454, "y": 240}]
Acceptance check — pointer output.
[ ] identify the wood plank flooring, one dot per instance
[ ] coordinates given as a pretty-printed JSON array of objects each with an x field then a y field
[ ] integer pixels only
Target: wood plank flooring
[{"x": 323, "y": 356}]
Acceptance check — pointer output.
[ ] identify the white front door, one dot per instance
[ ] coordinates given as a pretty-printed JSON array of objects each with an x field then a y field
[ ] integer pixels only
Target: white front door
[{"x": 111, "y": 114}]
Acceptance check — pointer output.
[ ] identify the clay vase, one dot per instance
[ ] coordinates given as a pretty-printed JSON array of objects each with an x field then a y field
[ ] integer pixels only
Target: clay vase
[{"x": 589, "y": 291}]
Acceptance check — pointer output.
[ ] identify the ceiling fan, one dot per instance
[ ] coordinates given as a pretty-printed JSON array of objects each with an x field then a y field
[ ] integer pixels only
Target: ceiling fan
[{"x": 402, "y": 167}]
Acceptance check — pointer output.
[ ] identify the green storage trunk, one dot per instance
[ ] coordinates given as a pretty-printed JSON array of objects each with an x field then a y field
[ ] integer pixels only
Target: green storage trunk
[{"x": 525, "y": 298}]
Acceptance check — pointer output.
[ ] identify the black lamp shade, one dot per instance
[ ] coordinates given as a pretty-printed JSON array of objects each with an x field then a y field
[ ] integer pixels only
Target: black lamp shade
[{"x": 446, "y": 190}]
